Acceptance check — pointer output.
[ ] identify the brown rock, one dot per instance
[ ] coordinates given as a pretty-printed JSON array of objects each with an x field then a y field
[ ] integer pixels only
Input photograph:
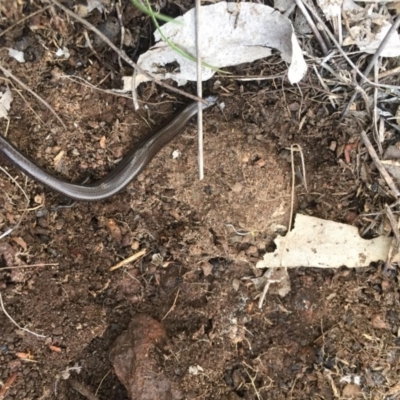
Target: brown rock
[{"x": 134, "y": 366}]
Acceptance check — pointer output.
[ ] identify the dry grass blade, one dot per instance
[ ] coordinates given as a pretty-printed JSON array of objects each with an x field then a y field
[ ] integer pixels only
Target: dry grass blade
[
  {"x": 317, "y": 34},
  {"x": 379, "y": 165},
  {"x": 13, "y": 321},
  {"x": 101, "y": 382}
]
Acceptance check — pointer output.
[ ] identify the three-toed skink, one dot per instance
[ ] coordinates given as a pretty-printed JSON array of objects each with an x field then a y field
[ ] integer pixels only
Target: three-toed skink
[{"x": 127, "y": 169}]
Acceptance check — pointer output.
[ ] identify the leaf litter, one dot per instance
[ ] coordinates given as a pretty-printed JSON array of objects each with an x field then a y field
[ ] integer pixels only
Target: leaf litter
[
  {"x": 354, "y": 330},
  {"x": 5, "y": 102},
  {"x": 232, "y": 34}
]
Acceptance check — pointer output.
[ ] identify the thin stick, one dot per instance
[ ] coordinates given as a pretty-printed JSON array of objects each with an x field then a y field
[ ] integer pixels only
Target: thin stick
[
  {"x": 122, "y": 53},
  {"x": 377, "y": 132},
  {"x": 26, "y": 102},
  {"x": 270, "y": 271},
  {"x": 325, "y": 86},
  {"x": 390, "y": 72},
  {"x": 82, "y": 389},
  {"x": 121, "y": 24},
  {"x": 297, "y": 147},
  {"x": 101, "y": 382},
  {"x": 292, "y": 196},
  {"x": 343, "y": 53},
  {"x": 81, "y": 81},
  {"x": 372, "y": 62},
  {"x": 23, "y": 20},
  {"x": 379, "y": 165},
  {"x": 8, "y": 232},
  {"x": 18, "y": 326},
  {"x": 16, "y": 183},
  {"x": 199, "y": 91},
  {"x": 9, "y": 74},
  {"x": 315, "y": 30},
  {"x": 252, "y": 383},
  {"x": 256, "y": 78},
  {"x": 128, "y": 260},
  {"x": 382, "y": 46},
  {"x": 133, "y": 80},
  {"x": 31, "y": 266},
  {"x": 173, "y": 305},
  {"x": 265, "y": 289}
]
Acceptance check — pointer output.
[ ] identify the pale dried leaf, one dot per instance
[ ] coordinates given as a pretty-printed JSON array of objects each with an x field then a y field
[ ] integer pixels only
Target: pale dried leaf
[
  {"x": 231, "y": 34},
  {"x": 367, "y": 30},
  {"x": 17, "y": 55},
  {"x": 330, "y": 8},
  {"x": 315, "y": 242},
  {"x": 5, "y": 103}
]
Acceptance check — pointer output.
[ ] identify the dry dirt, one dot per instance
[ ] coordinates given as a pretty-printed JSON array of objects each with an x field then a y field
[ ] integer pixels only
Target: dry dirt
[{"x": 335, "y": 335}]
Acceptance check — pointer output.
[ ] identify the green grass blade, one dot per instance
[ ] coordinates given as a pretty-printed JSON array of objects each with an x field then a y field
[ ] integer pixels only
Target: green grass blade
[
  {"x": 153, "y": 14},
  {"x": 157, "y": 16}
]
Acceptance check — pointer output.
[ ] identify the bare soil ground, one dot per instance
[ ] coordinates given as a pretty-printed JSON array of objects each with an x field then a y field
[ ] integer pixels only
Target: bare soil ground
[{"x": 335, "y": 335}]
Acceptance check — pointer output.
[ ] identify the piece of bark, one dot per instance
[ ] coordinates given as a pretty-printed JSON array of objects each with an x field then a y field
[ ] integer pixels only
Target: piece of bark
[{"x": 140, "y": 374}]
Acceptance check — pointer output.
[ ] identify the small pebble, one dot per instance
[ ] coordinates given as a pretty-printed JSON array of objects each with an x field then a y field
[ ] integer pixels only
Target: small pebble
[{"x": 236, "y": 284}]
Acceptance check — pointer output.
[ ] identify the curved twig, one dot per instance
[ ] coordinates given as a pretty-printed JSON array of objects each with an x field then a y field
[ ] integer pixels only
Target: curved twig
[
  {"x": 9, "y": 74},
  {"x": 122, "y": 53}
]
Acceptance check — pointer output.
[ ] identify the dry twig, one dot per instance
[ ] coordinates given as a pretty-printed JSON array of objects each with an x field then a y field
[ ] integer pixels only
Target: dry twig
[
  {"x": 101, "y": 382},
  {"x": 82, "y": 389},
  {"x": 379, "y": 165},
  {"x": 343, "y": 53},
  {"x": 372, "y": 62},
  {"x": 24, "y": 211},
  {"x": 199, "y": 91},
  {"x": 122, "y": 53},
  {"x": 172, "y": 307},
  {"x": 269, "y": 273},
  {"x": 19, "y": 327},
  {"x": 81, "y": 81},
  {"x": 23, "y": 20},
  {"x": 128, "y": 260},
  {"x": 317, "y": 34},
  {"x": 385, "y": 74},
  {"x": 24, "y": 99},
  {"x": 31, "y": 266},
  {"x": 121, "y": 24},
  {"x": 9, "y": 74}
]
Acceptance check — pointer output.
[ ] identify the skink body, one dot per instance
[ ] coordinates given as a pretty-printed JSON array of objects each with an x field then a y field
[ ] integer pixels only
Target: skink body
[{"x": 127, "y": 170}]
